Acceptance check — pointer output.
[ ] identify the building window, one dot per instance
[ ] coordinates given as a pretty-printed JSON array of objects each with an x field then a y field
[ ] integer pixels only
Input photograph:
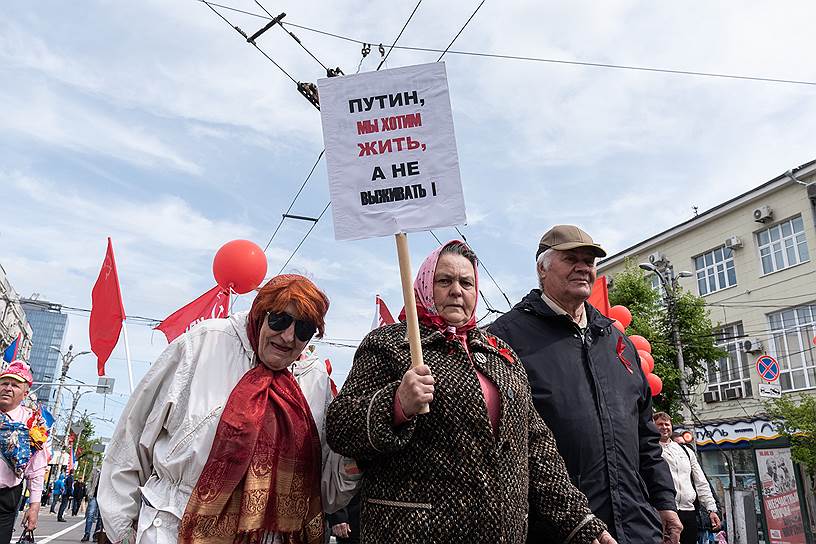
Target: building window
[
  {"x": 792, "y": 331},
  {"x": 715, "y": 270},
  {"x": 783, "y": 245},
  {"x": 731, "y": 371}
]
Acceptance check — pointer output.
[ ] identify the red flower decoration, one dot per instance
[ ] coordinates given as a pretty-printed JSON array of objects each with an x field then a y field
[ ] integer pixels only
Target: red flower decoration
[{"x": 504, "y": 352}]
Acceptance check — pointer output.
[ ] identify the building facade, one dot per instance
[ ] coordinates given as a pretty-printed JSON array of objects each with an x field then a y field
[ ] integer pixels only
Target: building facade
[
  {"x": 49, "y": 324},
  {"x": 751, "y": 259},
  {"x": 13, "y": 321}
]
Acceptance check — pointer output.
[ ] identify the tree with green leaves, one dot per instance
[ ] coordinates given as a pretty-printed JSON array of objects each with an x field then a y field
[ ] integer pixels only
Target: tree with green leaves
[
  {"x": 86, "y": 458},
  {"x": 797, "y": 421},
  {"x": 652, "y": 320}
]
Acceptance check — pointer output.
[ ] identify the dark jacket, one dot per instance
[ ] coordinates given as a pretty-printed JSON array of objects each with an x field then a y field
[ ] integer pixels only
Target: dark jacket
[
  {"x": 444, "y": 477},
  {"x": 599, "y": 412},
  {"x": 351, "y": 515}
]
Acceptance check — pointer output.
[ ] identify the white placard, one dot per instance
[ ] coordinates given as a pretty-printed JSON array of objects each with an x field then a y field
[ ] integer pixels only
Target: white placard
[
  {"x": 770, "y": 390},
  {"x": 391, "y": 152}
]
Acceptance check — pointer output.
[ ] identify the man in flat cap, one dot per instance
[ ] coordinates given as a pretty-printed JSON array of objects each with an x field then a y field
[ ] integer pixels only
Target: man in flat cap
[{"x": 588, "y": 386}]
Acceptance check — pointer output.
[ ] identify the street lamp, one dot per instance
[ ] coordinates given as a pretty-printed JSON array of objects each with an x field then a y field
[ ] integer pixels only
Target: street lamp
[
  {"x": 67, "y": 359},
  {"x": 665, "y": 272}
]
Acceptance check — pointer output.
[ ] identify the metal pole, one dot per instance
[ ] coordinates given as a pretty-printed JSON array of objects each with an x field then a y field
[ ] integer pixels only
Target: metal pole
[
  {"x": 681, "y": 363},
  {"x": 67, "y": 430},
  {"x": 66, "y": 362}
]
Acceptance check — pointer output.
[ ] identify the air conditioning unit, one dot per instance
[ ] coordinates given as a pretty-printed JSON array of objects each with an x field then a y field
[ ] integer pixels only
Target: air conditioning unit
[
  {"x": 763, "y": 214},
  {"x": 711, "y": 396},
  {"x": 752, "y": 345},
  {"x": 733, "y": 243},
  {"x": 657, "y": 257},
  {"x": 732, "y": 394}
]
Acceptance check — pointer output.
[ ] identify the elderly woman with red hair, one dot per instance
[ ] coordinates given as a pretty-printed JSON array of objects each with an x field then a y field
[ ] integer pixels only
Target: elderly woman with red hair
[{"x": 221, "y": 442}]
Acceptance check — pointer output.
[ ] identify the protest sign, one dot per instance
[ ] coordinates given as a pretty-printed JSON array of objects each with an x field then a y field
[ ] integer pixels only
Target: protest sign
[{"x": 391, "y": 152}]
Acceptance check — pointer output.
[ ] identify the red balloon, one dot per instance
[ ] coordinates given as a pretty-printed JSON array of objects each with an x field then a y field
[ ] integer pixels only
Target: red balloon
[
  {"x": 814, "y": 340},
  {"x": 618, "y": 325},
  {"x": 646, "y": 361},
  {"x": 655, "y": 384},
  {"x": 622, "y": 314},
  {"x": 240, "y": 265},
  {"x": 641, "y": 343}
]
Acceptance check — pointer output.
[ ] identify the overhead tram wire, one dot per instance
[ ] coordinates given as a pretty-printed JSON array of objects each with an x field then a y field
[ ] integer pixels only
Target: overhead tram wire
[
  {"x": 488, "y": 271},
  {"x": 242, "y": 33},
  {"x": 472, "y": 15},
  {"x": 291, "y": 204},
  {"x": 398, "y": 36},
  {"x": 566, "y": 62},
  {"x": 308, "y": 232}
]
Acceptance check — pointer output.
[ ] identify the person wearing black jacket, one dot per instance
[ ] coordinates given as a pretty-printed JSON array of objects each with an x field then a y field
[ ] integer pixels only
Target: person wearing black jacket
[
  {"x": 345, "y": 523},
  {"x": 67, "y": 495},
  {"x": 588, "y": 386}
]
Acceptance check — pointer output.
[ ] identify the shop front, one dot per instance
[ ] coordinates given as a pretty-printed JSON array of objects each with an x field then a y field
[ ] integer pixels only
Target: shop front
[{"x": 767, "y": 498}]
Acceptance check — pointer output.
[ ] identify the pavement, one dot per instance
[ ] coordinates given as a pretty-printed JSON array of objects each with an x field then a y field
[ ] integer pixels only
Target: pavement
[{"x": 49, "y": 530}]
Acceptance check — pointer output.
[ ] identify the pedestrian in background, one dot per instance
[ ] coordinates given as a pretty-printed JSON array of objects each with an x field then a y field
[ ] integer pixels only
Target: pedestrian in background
[
  {"x": 59, "y": 489},
  {"x": 92, "y": 511},
  {"x": 588, "y": 386},
  {"x": 79, "y": 494},
  {"x": 46, "y": 494},
  {"x": 690, "y": 482},
  {"x": 67, "y": 494}
]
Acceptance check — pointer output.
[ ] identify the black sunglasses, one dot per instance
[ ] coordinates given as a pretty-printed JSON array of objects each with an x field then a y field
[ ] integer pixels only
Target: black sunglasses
[{"x": 280, "y": 321}]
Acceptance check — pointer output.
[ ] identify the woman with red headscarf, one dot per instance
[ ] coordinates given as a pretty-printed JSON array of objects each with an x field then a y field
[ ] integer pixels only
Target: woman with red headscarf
[
  {"x": 472, "y": 468},
  {"x": 219, "y": 443}
]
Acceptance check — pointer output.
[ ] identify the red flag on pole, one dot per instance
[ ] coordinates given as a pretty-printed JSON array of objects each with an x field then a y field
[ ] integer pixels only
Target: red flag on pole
[
  {"x": 381, "y": 314},
  {"x": 600, "y": 296},
  {"x": 212, "y": 304},
  {"x": 107, "y": 311}
]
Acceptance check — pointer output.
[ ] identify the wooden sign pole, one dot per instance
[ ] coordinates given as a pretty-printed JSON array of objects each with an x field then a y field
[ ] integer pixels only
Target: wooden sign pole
[{"x": 409, "y": 300}]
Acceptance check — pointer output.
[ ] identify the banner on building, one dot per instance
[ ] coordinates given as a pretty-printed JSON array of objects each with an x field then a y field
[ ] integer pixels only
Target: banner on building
[
  {"x": 391, "y": 152},
  {"x": 780, "y": 496}
]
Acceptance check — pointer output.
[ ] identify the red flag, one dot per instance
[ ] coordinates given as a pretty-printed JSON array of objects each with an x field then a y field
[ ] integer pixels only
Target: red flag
[
  {"x": 600, "y": 296},
  {"x": 212, "y": 304},
  {"x": 381, "y": 314},
  {"x": 107, "y": 311}
]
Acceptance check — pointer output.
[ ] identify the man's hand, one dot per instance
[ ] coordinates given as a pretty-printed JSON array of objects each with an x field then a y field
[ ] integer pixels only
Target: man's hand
[
  {"x": 341, "y": 530},
  {"x": 672, "y": 527},
  {"x": 605, "y": 538},
  {"x": 716, "y": 524},
  {"x": 31, "y": 516},
  {"x": 415, "y": 390}
]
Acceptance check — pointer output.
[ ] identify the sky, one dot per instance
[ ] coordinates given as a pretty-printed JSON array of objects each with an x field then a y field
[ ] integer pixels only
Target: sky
[{"x": 156, "y": 124}]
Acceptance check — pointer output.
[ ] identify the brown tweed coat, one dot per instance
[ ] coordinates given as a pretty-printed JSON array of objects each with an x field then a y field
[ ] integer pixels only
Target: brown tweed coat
[{"x": 444, "y": 477}]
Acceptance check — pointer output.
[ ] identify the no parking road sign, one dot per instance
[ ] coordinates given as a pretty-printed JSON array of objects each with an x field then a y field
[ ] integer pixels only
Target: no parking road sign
[{"x": 767, "y": 368}]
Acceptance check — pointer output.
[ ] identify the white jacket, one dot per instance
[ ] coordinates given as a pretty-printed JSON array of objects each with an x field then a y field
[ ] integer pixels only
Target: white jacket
[
  {"x": 682, "y": 465},
  {"x": 165, "y": 434}
]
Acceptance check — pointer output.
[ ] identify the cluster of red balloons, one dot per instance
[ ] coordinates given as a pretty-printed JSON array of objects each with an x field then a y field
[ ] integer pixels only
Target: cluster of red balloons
[
  {"x": 623, "y": 318},
  {"x": 239, "y": 265}
]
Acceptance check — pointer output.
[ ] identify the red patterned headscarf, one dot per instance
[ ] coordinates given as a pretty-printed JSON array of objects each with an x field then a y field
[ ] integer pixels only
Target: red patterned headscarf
[{"x": 262, "y": 476}]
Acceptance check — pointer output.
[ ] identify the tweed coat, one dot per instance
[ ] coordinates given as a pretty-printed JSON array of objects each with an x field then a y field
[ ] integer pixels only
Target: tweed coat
[{"x": 444, "y": 477}]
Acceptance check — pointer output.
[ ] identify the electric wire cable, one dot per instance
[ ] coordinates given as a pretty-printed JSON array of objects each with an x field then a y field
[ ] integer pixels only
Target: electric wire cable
[
  {"x": 239, "y": 31},
  {"x": 398, "y": 36},
  {"x": 472, "y": 15},
  {"x": 308, "y": 232},
  {"x": 509, "y": 304},
  {"x": 291, "y": 204}
]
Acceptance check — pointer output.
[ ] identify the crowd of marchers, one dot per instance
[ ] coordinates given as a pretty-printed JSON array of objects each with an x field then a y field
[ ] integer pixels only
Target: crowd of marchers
[{"x": 533, "y": 429}]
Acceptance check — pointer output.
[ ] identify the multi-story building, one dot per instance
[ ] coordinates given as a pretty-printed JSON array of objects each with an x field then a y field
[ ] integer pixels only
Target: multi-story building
[
  {"x": 750, "y": 258},
  {"x": 49, "y": 325},
  {"x": 13, "y": 322}
]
